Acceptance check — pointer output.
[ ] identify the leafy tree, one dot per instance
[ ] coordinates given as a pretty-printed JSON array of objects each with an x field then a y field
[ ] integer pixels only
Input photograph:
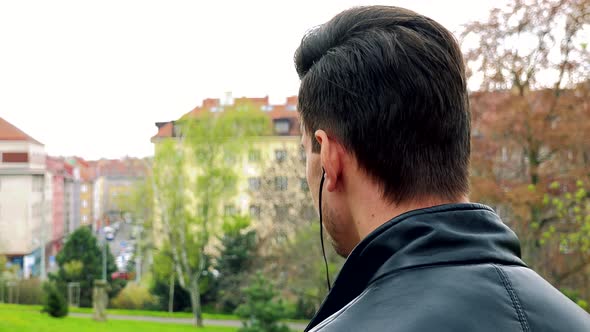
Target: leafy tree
[
  {"x": 300, "y": 271},
  {"x": 237, "y": 254},
  {"x": 195, "y": 168},
  {"x": 81, "y": 247},
  {"x": 73, "y": 269},
  {"x": 262, "y": 312},
  {"x": 54, "y": 302},
  {"x": 283, "y": 200},
  {"x": 138, "y": 204},
  {"x": 528, "y": 127},
  {"x": 567, "y": 206}
]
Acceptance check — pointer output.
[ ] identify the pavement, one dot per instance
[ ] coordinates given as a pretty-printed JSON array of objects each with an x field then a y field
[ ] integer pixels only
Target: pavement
[
  {"x": 122, "y": 239},
  {"x": 186, "y": 321}
]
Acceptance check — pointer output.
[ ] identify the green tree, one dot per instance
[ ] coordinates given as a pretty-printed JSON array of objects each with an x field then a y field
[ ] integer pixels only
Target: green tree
[
  {"x": 81, "y": 247},
  {"x": 54, "y": 302},
  {"x": 567, "y": 209},
  {"x": 235, "y": 261},
  {"x": 261, "y": 312},
  {"x": 138, "y": 204},
  {"x": 283, "y": 200},
  {"x": 198, "y": 168},
  {"x": 300, "y": 269}
]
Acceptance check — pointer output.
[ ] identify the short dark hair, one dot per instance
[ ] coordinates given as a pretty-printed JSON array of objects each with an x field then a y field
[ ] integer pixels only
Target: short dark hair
[{"x": 389, "y": 84}]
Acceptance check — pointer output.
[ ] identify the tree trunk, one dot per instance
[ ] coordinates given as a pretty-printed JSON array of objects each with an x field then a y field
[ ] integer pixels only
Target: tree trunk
[
  {"x": 171, "y": 294},
  {"x": 196, "y": 302}
]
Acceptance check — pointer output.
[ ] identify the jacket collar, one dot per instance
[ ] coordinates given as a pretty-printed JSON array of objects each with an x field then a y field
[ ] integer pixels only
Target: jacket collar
[{"x": 445, "y": 234}]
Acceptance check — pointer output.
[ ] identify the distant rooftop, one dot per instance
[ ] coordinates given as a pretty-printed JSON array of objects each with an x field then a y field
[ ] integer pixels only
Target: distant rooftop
[
  {"x": 9, "y": 132},
  {"x": 285, "y": 115}
]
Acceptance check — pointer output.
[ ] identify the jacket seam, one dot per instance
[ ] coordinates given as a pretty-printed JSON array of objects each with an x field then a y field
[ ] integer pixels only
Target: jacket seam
[
  {"x": 395, "y": 273},
  {"x": 514, "y": 298},
  {"x": 337, "y": 314}
]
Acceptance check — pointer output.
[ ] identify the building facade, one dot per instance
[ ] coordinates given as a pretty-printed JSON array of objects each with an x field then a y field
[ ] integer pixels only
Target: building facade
[
  {"x": 270, "y": 171},
  {"x": 25, "y": 200},
  {"x": 113, "y": 180}
]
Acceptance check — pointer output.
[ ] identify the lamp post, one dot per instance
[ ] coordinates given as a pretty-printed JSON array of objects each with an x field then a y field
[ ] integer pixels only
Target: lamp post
[{"x": 109, "y": 235}]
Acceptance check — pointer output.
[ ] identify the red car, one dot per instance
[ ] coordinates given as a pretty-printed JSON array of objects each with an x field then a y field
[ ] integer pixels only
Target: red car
[{"x": 120, "y": 275}]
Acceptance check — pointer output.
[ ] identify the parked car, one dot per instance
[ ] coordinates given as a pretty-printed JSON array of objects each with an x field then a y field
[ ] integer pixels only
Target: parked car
[{"x": 120, "y": 275}]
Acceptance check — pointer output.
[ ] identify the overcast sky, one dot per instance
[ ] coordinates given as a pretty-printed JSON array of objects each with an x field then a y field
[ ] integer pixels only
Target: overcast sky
[{"x": 90, "y": 78}]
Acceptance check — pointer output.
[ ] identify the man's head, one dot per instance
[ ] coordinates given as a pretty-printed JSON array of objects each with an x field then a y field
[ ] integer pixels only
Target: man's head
[{"x": 383, "y": 99}]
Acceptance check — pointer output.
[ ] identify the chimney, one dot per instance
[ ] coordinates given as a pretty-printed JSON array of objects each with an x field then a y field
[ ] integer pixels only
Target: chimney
[{"x": 228, "y": 100}]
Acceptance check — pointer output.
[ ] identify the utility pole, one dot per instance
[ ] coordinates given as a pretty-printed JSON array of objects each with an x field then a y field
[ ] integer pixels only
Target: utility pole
[
  {"x": 43, "y": 270},
  {"x": 109, "y": 235}
]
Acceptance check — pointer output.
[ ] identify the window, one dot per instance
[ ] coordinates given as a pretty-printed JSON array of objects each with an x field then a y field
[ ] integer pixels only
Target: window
[
  {"x": 291, "y": 107},
  {"x": 37, "y": 210},
  {"x": 229, "y": 210},
  {"x": 267, "y": 108},
  {"x": 303, "y": 184},
  {"x": 202, "y": 209},
  {"x": 230, "y": 158},
  {"x": 255, "y": 211},
  {"x": 504, "y": 154},
  {"x": 84, "y": 203},
  {"x": 254, "y": 155},
  {"x": 302, "y": 156},
  {"x": 282, "y": 127},
  {"x": 280, "y": 155},
  {"x": 254, "y": 184},
  {"x": 281, "y": 183},
  {"x": 38, "y": 183},
  {"x": 84, "y": 188},
  {"x": 281, "y": 210},
  {"x": 201, "y": 155},
  {"x": 85, "y": 219},
  {"x": 15, "y": 157},
  {"x": 177, "y": 130}
]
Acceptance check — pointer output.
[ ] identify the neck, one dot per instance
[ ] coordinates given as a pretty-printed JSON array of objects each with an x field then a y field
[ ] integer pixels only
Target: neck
[{"x": 371, "y": 210}]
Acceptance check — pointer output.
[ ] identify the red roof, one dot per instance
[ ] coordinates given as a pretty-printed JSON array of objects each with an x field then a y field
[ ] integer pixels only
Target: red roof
[
  {"x": 284, "y": 111},
  {"x": 127, "y": 167},
  {"x": 8, "y": 132}
]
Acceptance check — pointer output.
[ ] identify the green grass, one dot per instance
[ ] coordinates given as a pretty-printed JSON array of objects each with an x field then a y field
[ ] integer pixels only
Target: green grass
[
  {"x": 15, "y": 318},
  {"x": 126, "y": 312},
  {"x": 158, "y": 313}
]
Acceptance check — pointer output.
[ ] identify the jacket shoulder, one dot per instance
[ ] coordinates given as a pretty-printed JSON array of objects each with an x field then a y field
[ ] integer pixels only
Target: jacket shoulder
[{"x": 447, "y": 298}]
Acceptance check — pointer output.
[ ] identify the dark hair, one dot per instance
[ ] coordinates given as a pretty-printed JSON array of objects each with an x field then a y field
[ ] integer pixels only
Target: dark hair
[{"x": 389, "y": 84}]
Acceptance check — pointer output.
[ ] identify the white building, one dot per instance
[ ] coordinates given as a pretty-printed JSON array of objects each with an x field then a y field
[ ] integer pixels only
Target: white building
[{"x": 25, "y": 198}]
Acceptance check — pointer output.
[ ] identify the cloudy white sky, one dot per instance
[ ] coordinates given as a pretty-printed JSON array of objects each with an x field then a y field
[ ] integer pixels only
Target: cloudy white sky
[{"x": 90, "y": 78}]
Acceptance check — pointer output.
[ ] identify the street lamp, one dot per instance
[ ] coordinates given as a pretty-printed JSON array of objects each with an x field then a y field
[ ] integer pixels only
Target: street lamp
[{"x": 109, "y": 235}]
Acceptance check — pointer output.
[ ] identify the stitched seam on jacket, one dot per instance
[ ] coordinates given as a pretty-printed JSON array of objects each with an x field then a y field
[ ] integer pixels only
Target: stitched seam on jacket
[
  {"x": 335, "y": 315},
  {"x": 514, "y": 298}
]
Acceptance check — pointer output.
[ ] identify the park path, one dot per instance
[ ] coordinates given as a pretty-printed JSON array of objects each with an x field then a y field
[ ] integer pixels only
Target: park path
[{"x": 176, "y": 320}]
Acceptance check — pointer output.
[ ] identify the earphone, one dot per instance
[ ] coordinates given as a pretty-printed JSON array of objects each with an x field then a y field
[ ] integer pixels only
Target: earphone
[{"x": 322, "y": 229}]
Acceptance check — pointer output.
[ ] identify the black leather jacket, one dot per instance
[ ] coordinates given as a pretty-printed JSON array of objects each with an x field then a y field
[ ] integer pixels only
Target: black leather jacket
[{"x": 447, "y": 268}]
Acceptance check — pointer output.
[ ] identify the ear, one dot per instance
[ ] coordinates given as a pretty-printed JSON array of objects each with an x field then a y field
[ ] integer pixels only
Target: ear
[{"x": 330, "y": 158}]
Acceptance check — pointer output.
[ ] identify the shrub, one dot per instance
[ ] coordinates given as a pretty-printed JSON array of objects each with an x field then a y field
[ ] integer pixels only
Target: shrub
[
  {"x": 54, "y": 302},
  {"x": 30, "y": 291},
  {"x": 575, "y": 296},
  {"x": 134, "y": 296},
  {"x": 160, "y": 288},
  {"x": 261, "y": 312}
]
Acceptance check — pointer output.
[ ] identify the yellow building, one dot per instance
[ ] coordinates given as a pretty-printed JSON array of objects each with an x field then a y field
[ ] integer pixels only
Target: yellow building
[
  {"x": 112, "y": 179},
  {"x": 271, "y": 171}
]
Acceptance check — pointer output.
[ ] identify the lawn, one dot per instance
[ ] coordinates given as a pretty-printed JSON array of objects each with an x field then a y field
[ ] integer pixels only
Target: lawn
[
  {"x": 158, "y": 313},
  {"x": 141, "y": 313},
  {"x": 127, "y": 312},
  {"x": 29, "y": 319}
]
